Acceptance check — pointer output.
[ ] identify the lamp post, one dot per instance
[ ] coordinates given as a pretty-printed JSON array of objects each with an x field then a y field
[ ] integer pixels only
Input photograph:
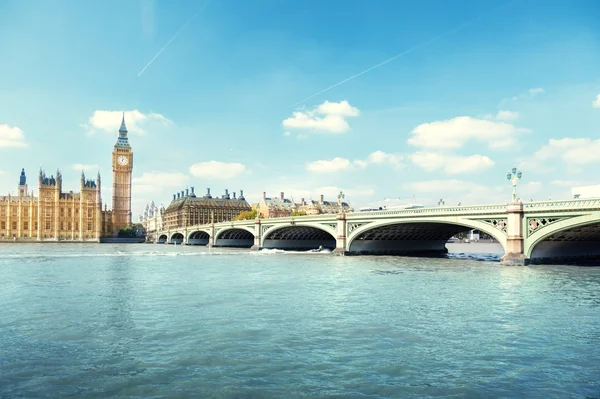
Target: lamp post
[
  {"x": 441, "y": 202},
  {"x": 341, "y": 197},
  {"x": 514, "y": 176}
]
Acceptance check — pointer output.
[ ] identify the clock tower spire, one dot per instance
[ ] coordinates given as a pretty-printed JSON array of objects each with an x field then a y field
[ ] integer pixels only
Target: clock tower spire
[{"x": 122, "y": 165}]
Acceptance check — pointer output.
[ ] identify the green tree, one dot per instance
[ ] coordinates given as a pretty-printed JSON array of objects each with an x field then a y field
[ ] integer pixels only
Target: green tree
[
  {"x": 298, "y": 213},
  {"x": 126, "y": 232},
  {"x": 248, "y": 215}
]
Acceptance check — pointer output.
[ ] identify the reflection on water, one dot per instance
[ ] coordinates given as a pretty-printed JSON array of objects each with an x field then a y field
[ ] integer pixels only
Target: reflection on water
[{"x": 162, "y": 321}]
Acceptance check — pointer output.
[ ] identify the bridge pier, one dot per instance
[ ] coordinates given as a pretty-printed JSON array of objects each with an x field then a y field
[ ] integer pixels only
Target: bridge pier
[
  {"x": 211, "y": 236},
  {"x": 514, "y": 255},
  {"x": 340, "y": 238},
  {"x": 257, "y": 236}
]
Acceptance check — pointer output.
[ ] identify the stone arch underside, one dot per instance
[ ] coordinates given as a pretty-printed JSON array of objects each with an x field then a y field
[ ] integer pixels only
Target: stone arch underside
[
  {"x": 411, "y": 238},
  {"x": 198, "y": 238},
  {"x": 298, "y": 238},
  {"x": 239, "y": 238},
  {"x": 576, "y": 243},
  {"x": 176, "y": 238},
  {"x": 162, "y": 239}
]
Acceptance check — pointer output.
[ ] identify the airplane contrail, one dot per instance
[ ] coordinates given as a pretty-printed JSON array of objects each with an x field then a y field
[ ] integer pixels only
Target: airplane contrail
[
  {"x": 417, "y": 47},
  {"x": 173, "y": 38}
]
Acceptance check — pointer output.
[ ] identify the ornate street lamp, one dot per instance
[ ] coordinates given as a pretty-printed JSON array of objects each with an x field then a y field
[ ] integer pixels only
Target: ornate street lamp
[
  {"x": 341, "y": 197},
  {"x": 441, "y": 202},
  {"x": 514, "y": 176}
]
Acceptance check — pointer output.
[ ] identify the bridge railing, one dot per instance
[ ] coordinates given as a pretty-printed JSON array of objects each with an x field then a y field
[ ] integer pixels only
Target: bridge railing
[
  {"x": 563, "y": 205},
  {"x": 435, "y": 211}
]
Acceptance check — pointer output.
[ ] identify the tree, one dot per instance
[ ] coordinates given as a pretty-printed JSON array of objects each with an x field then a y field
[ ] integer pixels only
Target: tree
[
  {"x": 126, "y": 232},
  {"x": 298, "y": 213},
  {"x": 247, "y": 215}
]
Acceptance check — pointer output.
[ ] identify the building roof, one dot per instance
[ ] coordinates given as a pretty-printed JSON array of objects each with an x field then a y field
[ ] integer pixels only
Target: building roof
[{"x": 207, "y": 202}]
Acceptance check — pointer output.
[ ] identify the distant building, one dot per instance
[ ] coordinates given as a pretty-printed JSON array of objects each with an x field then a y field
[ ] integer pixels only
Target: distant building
[
  {"x": 54, "y": 215},
  {"x": 320, "y": 207},
  {"x": 152, "y": 221},
  {"x": 586, "y": 192},
  {"x": 186, "y": 209},
  {"x": 276, "y": 207}
]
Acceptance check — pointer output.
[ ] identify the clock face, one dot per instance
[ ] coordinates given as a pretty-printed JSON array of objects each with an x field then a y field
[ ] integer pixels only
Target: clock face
[{"x": 123, "y": 160}]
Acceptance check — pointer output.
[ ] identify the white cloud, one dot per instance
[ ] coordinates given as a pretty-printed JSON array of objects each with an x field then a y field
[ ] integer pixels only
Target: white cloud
[
  {"x": 441, "y": 186},
  {"x": 84, "y": 167},
  {"x": 565, "y": 183},
  {"x": 381, "y": 158},
  {"x": 136, "y": 122},
  {"x": 11, "y": 137},
  {"x": 507, "y": 115},
  {"x": 534, "y": 92},
  {"x": 451, "y": 164},
  {"x": 454, "y": 191},
  {"x": 456, "y": 132},
  {"x": 152, "y": 182},
  {"x": 328, "y": 117},
  {"x": 529, "y": 94},
  {"x": 331, "y": 192},
  {"x": 596, "y": 103},
  {"x": 287, "y": 134},
  {"x": 572, "y": 151},
  {"x": 217, "y": 170},
  {"x": 329, "y": 166},
  {"x": 339, "y": 164}
]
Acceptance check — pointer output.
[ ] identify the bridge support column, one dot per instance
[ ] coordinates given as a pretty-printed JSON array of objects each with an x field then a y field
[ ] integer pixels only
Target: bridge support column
[
  {"x": 340, "y": 238},
  {"x": 257, "y": 236},
  {"x": 514, "y": 255},
  {"x": 185, "y": 237},
  {"x": 211, "y": 237}
]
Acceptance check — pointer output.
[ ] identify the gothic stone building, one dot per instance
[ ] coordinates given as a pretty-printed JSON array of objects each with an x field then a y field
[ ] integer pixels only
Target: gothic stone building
[{"x": 67, "y": 216}]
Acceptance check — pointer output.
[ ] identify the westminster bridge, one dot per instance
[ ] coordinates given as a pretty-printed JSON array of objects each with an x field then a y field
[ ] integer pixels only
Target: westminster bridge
[{"x": 542, "y": 231}]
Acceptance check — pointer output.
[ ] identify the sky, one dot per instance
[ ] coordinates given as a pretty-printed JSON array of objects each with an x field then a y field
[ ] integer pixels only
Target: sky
[{"x": 411, "y": 101}]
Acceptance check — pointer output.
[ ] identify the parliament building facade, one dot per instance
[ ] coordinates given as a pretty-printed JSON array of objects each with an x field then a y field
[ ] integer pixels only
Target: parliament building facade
[{"x": 55, "y": 215}]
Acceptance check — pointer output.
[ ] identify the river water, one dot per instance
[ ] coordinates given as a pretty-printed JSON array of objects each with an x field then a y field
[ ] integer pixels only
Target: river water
[{"x": 157, "y": 321}]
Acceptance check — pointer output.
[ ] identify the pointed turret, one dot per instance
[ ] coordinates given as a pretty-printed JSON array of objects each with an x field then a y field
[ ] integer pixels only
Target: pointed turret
[
  {"x": 122, "y": 140},
  {"x": 22, "y": 178},
  {"x": 123, "y": 128}
]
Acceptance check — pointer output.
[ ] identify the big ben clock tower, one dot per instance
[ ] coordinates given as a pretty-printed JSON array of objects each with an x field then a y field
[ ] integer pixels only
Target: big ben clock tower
[{"x": 122, "y": 165}]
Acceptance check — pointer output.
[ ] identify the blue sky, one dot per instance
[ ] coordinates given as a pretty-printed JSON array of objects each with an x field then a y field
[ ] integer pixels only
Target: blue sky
[{"x": 488, "y": 85}]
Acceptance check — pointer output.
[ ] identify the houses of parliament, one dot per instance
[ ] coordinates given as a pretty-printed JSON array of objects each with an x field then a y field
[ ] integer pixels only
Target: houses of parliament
[{"x": 55, "y": 215}]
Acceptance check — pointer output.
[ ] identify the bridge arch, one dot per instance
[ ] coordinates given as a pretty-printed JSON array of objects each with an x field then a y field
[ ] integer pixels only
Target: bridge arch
[
  {"x": 414, "y": 235},
  {"x": 240, "y": 237},
  {"x": 198, "y": 237},
  {"x": 299, "y": 236},
  {"x": 575, "y": 237},
  {"x": 176, "y": 238},
  {"x": 162, "y": 239}
]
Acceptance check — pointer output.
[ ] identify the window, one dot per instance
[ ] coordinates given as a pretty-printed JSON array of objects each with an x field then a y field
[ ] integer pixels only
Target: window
[
  {"x": 69, "y": 226},
  {"x": 25, "y": 226},
  {"x": 76, "y": 226},
  {"x": 89, "y": 227},
  {"x": 62, "y": 212},
  {"x": 35, "y": 225},
  {"x": 26, "y": 212},
  {"x": 69, "y": 212},
  {"x": 90, "y": 213},
  {"x": 3, "y": 225},
  {"x": 14, "y": 225},
  {"x": 62, "y": 225},
  {"x": 48, "y": 226}
]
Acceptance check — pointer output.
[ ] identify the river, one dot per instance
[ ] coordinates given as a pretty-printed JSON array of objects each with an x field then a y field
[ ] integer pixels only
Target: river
[{"x": 158, "y": 321}]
